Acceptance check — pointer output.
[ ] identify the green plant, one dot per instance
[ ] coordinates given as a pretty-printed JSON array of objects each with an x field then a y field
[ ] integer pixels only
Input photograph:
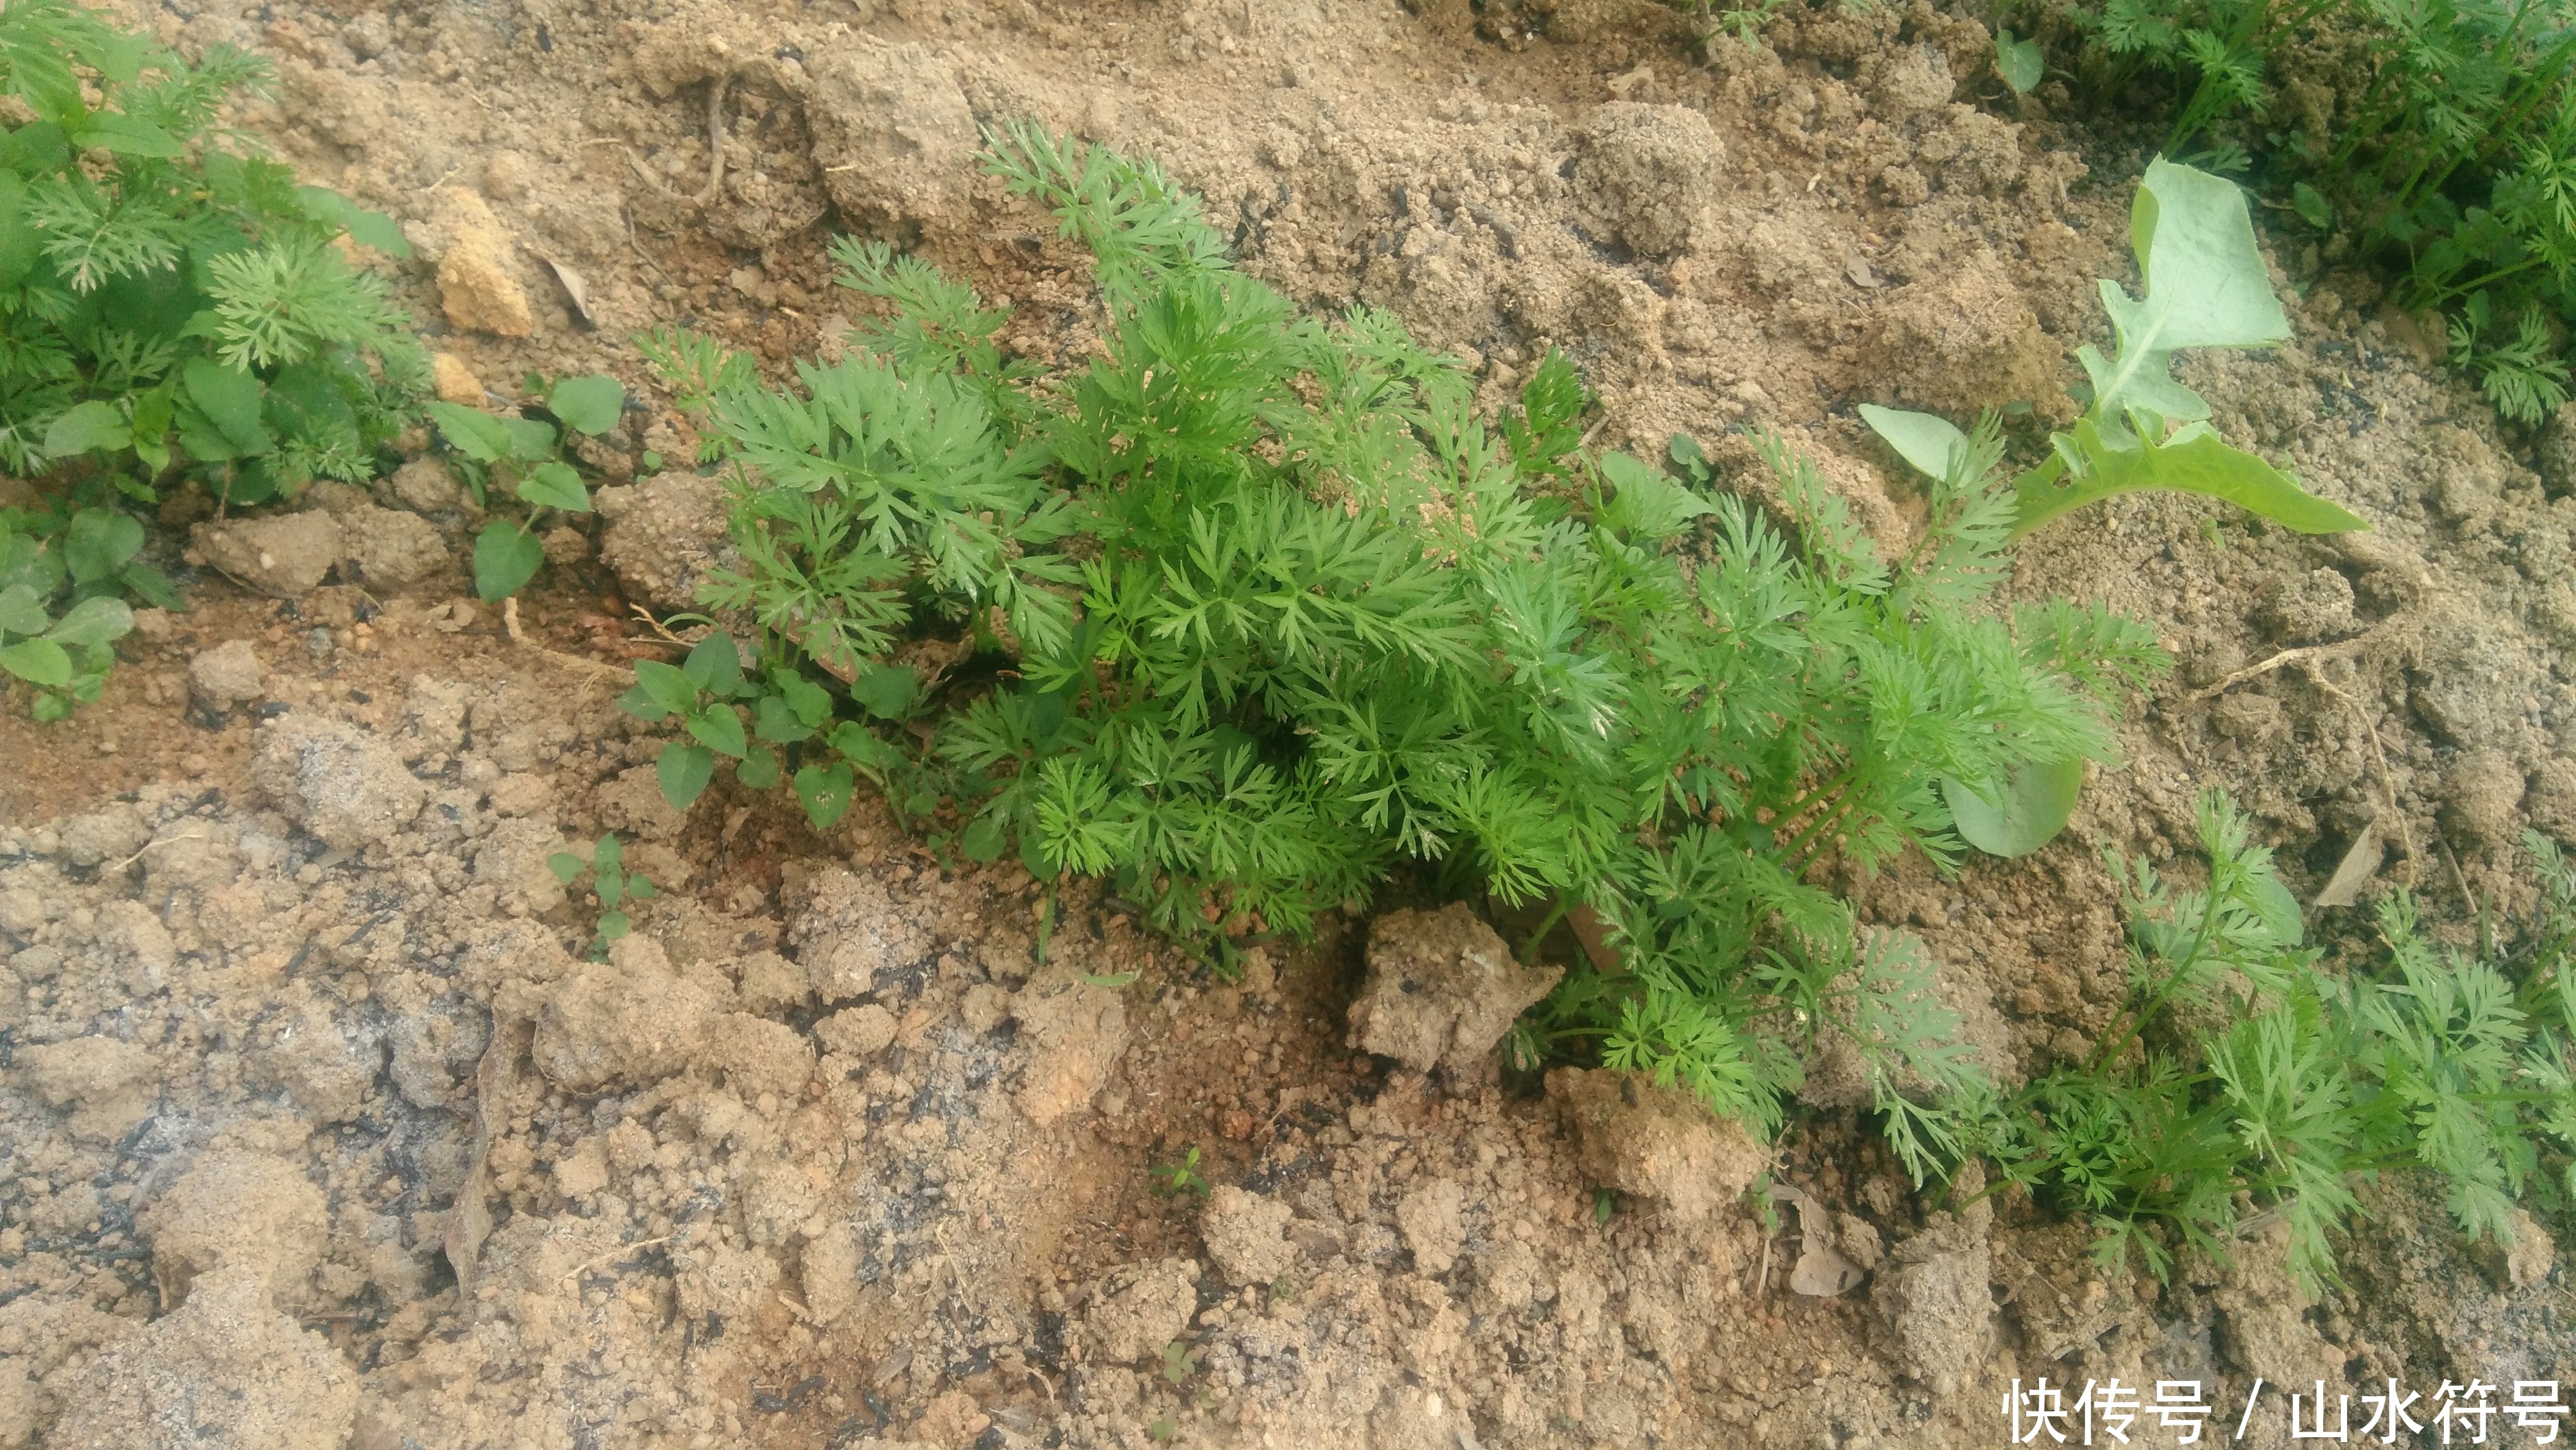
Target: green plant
[
  {"x": 1181, "y": 1177},
  {"x": 2448, "y": 148},
  {"x": 2301, "y": 1078},
  {"x": 525, "y": 455},
  {"x": 1252, "y": 609},
  {"x": 2205, "y": 286},
  {"x": 2019, "y": 62},
  {"x": 171, "y": 303},
  {"x": 61, "y": 578},
  {"x": 2525, "y": 378},
  {"x": 172, "y": 307},
  {"x": 610, "y": 882}
]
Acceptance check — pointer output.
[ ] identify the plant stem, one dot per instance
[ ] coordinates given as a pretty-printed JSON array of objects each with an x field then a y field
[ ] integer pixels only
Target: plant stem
[
  {"x": 1555, "y": 914},
  {"x": 2112, "y": 1047}
]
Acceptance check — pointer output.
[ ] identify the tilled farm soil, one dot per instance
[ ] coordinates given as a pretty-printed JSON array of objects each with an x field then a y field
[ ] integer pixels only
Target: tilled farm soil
[{"x": 319, "y": 1128}]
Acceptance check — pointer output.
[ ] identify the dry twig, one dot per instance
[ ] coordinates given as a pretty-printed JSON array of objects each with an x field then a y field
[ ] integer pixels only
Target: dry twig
[{"x": 716, "y": 88}]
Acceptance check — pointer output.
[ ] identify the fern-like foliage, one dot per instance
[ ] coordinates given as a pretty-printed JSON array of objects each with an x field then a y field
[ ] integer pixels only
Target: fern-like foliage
[
  {"x": 180, "y": 306},
  {"x": 1265, "y": 611},
  {"x": 2440, "y": 1061}
]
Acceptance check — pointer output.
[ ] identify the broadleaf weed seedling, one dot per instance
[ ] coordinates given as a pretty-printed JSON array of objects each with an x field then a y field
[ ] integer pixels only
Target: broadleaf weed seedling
[
  {"x": 525, "y": 455},
  {"x": 610, "y": 882}
]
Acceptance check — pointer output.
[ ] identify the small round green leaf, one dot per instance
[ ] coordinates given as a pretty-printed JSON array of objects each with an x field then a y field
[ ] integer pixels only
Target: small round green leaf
[
  {"x": 2033, "y": 806},
  {"x": 470, "y": 431},
  {"x": 825, "y": 792},
  {"x": 506, "y": 557},
  {"x": 565, "y": 865},
  {"x": 2277, "y": 909},
  {"x": 715, "y": 665},
  {"x": 720, "y": 730},
  {"x": 231, "y": 400},
  {"x": 555, "y": 485},
  {"x": 774, "y": 721},
  {"x": 2311, "y": 206},
  {"x": 684, "y": 771},
  {"x": 22, "y": 611},
  {"x": 983, "y": 839},
  {"x": 666, "y": 686},
  {"x": 2018, "y": 62},
  {"x": 99, "y": 542},
  {"x": 758, "y": 768},
  {"x": 587, "y": 405},
  {"x": 885, "y": 689},
  {"x": 1933, "y": 445},
  {"x": 529, "y": 441},
  {"x": 88, "y": 426},
  {"x": 92, "y": 622},
  {"x": 38, "y": 662}
]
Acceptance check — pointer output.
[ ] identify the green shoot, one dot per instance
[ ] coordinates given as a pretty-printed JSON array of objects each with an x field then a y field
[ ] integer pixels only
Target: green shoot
[
  {"x": 610, "y": 882},
  {"x": 2205, "y": 287},
  {"x": 1180, "y": 1178}
]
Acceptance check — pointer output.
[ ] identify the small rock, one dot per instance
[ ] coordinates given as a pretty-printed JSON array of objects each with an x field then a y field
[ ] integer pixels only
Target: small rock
[
  {"x": 335, "y": 780},
  {"x": 227, "y": 675},
  {"x": 1442, "y": 989},
  {"x": 2529, "y": 1257},
  {"x": 630, "y": 1020},
  {"x": 583, "y": 1171},
  {"x": 1141, "y": 1309},
  {"x": 566, "y": 545},
  {"x": 665, "y": 534},
  {"x": 1963, "y": 339},
  {"x": 1656, "y": 1142},
  {"x": 892, "y": 131},
  {"x": 284, "y": 555},
  {"x": 766, "y": 983},
  {"x": 475, "y": 282},
  {"x": 226, "y": 1370},
  {"x": 1912, "y": 81},
  {"x": 514, "y": 854},
  {"x": 986, "y": 1007},
  {"x": 1247, "y": 1235},
  {"x": 1076, "y": 1030},
  {"x": 952, "y": 1420},
  {"x": 757, "y": 1055},
  {"x": 854, "y": 936},
  {"x": 2552, "y": 800},
  {"x": 2308, "y": 608},
  {"x": 238, "y": 1209},
  {"x": 830, "y": 1272},
  {"x": 425, "y": 485},
  {"x": 860, "y": 1031},
  {"x": 390, "y": 549},
  {"x": 632, "y": 803},
  {"x": 325, "y": 1067},
  {"x": 108, "y": 834},
  {"x": 198, "y": 857},
  {"x": 1943, "y": 1311},
  {"x": 2556, "y": 455},
  {"x": 1650, "y": 172},
  {"x": 108, "y": 1085},
  {"x": 2481, "y": 798},
  {"x": 1429, "y": 1218}
]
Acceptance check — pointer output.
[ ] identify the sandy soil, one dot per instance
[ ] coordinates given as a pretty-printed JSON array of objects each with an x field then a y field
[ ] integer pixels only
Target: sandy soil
[{"x": 319, "y": 1128}]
